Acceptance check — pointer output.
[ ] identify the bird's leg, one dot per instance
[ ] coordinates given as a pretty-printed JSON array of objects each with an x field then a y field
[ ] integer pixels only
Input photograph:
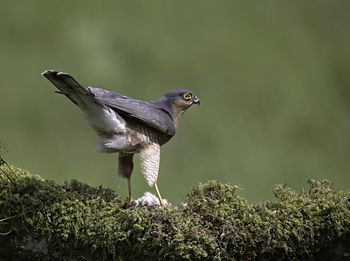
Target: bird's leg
[
  {"x": 129, "y": 190},
  {"x": 149, "y": 163},
  {"x": 158, "y": 194},
  {"x": 125, "y": 167}
]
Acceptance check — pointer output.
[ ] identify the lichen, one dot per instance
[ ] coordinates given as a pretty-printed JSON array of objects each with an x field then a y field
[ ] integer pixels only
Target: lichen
[{"x": 73, "y": 221}]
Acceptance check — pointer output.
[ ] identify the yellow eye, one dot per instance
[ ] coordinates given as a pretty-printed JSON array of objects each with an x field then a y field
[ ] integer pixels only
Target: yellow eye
[{"x": 187, "y": 96}]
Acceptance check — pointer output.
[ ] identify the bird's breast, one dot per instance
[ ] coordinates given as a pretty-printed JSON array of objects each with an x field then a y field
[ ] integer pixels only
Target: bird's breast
[
  {"x": 133, "y": 140},
  {"x": 144, "y": 135}
]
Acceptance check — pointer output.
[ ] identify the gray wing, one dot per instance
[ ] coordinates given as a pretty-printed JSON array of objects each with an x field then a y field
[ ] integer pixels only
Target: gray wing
[{"x": 146, "y": 112}]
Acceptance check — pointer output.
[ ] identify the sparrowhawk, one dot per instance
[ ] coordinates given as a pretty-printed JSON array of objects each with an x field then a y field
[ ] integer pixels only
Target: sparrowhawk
[{"x": 127, "y": 125}]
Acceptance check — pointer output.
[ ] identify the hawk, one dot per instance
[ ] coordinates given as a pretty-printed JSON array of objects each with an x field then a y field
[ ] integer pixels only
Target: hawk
[{"x": 127, "y": 125}]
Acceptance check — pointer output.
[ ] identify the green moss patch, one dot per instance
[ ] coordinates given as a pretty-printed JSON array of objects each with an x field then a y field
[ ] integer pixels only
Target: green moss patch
[{"x": 74, "y": 221}]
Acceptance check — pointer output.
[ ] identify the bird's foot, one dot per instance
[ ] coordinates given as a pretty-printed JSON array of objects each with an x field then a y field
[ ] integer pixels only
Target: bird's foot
[
  {"x": 161, "y": 201},
  {"x": 130, "y": 199}
]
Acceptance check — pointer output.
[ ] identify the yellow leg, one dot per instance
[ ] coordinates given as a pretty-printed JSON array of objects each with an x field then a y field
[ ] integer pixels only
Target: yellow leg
[
  {"x": 158, "y": 194},
  {"x": 129, "y": 190}
]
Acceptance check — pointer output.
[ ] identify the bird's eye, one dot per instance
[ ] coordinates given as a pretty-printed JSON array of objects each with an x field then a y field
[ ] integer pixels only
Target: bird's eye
[{"x": 187, "y": 96}]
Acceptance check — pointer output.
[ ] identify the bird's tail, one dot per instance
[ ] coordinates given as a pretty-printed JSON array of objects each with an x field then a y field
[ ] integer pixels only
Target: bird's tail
[
  {"x": 102, "y": 119},
  {"x": 68, "y": 86}
]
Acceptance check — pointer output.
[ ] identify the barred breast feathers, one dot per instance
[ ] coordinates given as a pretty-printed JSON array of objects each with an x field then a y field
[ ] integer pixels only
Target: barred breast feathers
[{"x": 149, "y": 161}]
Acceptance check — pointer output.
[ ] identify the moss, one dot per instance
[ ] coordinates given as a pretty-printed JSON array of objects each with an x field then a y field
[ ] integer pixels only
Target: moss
[{"x": 76, "y": 222}]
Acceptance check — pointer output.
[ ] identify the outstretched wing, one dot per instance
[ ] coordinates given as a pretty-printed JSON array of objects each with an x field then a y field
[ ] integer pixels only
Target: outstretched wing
[
  {"x": 85, "y": 98},
  {"x": 148, "y": 113}
]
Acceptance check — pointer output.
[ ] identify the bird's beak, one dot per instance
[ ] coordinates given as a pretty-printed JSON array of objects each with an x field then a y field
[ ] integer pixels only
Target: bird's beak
[{"x": 196, "y": 100}]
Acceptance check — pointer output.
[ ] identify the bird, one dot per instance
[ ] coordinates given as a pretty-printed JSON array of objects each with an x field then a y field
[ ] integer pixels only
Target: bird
[{"x": 126, "y": 125}]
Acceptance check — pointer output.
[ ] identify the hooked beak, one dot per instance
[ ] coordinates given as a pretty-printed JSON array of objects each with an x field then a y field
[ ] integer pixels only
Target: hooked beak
[{"x": 196, "y": 100}]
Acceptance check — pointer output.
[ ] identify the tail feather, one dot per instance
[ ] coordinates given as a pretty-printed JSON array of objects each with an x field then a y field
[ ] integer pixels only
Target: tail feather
[
  {"x": 101, "y": 118},
  {"x": 68, "y": 86}
]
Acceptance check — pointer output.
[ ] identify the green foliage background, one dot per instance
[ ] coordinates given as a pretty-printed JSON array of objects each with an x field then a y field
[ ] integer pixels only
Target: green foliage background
[{"x": 273, "y": 78}]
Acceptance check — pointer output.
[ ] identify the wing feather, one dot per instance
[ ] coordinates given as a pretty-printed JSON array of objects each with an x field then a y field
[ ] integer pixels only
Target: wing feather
[{"x": 148, "y": 113}]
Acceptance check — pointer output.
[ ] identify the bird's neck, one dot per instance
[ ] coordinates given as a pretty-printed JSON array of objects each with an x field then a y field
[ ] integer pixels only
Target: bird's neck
[
  {"x": 174, "y": 111},
  {"x": 176, "y": 115}
]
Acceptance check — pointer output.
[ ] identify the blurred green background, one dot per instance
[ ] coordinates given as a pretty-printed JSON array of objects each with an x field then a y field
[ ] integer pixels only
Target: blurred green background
[{"x": 273, "y": 78}]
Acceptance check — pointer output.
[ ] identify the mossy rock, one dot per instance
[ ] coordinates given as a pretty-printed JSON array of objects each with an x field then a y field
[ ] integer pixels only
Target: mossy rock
[{"x": 73, "y": 221}]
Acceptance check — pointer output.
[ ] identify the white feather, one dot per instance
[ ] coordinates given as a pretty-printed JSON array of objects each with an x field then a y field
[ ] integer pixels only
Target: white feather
[
  {"x": 105, "y": 120},
  {"x": 148, "y": 199}
]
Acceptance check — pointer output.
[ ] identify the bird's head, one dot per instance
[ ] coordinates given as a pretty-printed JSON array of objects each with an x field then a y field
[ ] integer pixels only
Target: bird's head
[
  {"x": 178, "y": 101},
  {"x": 182, "y": 99}
]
